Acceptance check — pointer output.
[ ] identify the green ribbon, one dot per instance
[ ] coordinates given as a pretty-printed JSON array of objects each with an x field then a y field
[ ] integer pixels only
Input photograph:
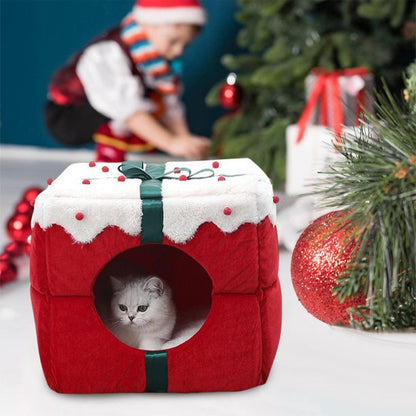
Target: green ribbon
[
  {"x": 156, "y": 362},
  {"x": 151, "y": 196},
  {"x": 151, "y": 176},
  {"x": 156, "y": 371},
  {"x": 136, "y": 170}
]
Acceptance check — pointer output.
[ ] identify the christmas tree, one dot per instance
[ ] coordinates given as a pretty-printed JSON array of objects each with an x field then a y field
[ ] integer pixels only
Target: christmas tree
[
  {"x": 376, "y": 185},
  {"x": 283, "y": 41}
]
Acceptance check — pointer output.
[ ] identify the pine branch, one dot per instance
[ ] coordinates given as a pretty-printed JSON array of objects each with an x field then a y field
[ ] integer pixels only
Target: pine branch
[{"x": 376, "y": 184}]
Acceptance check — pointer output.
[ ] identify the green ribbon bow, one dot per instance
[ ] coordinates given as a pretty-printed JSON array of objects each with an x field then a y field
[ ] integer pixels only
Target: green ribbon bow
[{"x": 136, "y": 170}]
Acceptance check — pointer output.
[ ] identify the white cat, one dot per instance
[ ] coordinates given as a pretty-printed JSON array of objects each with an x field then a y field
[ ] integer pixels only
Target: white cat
[{"x": 143, "y": 314}]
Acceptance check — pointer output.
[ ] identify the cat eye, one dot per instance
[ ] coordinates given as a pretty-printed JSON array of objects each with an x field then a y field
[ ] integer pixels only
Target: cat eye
[
  {"x": 123, "y": 308},
  {"x": 142, "y": 308}
]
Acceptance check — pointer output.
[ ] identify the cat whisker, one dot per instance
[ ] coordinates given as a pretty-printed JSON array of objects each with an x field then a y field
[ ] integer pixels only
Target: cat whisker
[{"x": 113, "y": 323}]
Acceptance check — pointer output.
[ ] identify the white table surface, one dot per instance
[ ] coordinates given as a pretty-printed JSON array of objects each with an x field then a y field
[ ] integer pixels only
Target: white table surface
[{"x": 319, "y": 370}]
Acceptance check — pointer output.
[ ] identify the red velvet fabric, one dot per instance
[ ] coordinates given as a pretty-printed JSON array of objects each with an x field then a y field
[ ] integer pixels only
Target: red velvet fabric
[
  {"x": 235, "y": 274},
  {"x": 79, "y": 354}
]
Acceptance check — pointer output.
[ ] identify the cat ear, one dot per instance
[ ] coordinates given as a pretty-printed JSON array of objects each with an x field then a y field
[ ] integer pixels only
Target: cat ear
[
  {"x": 116, "y": 283},
  {"x": 154, "y": 286}
]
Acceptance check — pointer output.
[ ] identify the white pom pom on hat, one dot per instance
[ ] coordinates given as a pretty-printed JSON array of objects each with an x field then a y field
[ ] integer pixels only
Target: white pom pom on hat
[{"x": 160, "y": 12}]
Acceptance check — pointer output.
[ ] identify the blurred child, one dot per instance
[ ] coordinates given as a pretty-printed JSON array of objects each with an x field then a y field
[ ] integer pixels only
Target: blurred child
[{"x": 122, "y": 90}]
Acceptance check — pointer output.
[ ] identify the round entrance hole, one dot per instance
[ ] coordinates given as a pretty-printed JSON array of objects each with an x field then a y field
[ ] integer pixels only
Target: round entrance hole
[{"x": 153, "y": 297}]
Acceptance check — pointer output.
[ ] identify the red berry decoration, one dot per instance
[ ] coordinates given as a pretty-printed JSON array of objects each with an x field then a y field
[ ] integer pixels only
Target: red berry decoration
[
  {"x": 227, "y": 211},
  {"x": 121, "y": 178},
  {"x": 216, "y": 164},
  {"x": 8, "y": 271},
  {"x": 105, "y": 169},
  {"x": 183, "y": 178},
  {"x": 18, "y": 227},
  {"x": 231, "y": 94},
  {"x": 320, "y": 256},
  {"x": 221, "y": 178},
  {"x": 86, "y": 182},
  {"x": 79, "y": 216},
  {"x": 30, "y": 195},
  {"x": 49, "y": 181},
  {"x": 91, "y": 164}
]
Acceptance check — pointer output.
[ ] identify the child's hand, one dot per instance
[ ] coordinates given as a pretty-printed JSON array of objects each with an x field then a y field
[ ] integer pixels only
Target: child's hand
[{"x": 189, "y": 146}]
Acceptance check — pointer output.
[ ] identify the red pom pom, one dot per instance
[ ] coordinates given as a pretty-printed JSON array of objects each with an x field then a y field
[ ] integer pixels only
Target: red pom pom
[
  {"x": 31, "y": 194},
  {"x": 24, "y": 207},
  {"x": 183, "y": 178},
  {"x": 86, "y": 182},
  {"x": 215, "y": 165},
  {"x": 18, "y": 227},
  {"x": 92, "y": 164},
  {"x": 121, "y": 178},
  {"x": 320, "y": 256},
  {"x": 79, "y": 216},
  {"x": 8, "y": 271},
  {"x": 105, "y": 169},
  {"x": 221, "y": 178},
  {"x": 227, "y": 211}
]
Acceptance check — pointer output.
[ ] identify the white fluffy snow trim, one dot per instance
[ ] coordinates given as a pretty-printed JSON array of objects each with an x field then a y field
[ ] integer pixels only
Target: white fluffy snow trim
[
  {"x": 187, "y": 205},
  {"x": 166, "y": 15},
  {"x": 103, "y": 202}
]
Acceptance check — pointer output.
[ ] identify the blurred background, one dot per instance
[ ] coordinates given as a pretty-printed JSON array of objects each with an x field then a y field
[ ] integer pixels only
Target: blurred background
[{"x": 38, "y": 36}]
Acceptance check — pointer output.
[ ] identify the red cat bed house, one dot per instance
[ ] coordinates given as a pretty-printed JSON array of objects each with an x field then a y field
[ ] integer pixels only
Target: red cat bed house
[{"x": 208, "y": 228}]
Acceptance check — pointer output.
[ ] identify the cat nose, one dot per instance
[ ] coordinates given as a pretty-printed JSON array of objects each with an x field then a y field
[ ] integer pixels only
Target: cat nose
[{"x": 131, "y": 318}]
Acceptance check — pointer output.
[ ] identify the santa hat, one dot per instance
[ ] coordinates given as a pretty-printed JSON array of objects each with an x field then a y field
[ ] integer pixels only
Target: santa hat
[{"x": 161, "y": 12}]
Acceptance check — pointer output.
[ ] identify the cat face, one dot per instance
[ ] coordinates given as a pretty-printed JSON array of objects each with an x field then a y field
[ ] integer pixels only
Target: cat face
[{"x": 136, "y": 301}]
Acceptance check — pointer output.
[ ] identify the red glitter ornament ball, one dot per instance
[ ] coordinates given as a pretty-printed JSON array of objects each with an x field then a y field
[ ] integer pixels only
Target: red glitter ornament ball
[
  {"x": 231, "y": 94},
  {"x": 18, "y": 227},
  {"x": 30, "y": 195},
  {"x": 320, "y": 256},
  {"x": 8, "y": 271}
]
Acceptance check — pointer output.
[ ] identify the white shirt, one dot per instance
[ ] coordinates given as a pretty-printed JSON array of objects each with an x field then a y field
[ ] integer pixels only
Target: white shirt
[{"x": 111, "y": 87}]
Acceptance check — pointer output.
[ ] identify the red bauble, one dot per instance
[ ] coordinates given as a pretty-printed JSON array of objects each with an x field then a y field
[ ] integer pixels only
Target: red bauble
[
  {"x": 31, "y": 194},
  {"x": 8, "y": 271},
  {"x": 24, "y": 207},
  {"x": 18, "y": 227},
  {"x": 320, "y": 256},
  {"x": 231, "y": 94},
  {"x": 14, "y": 249}
]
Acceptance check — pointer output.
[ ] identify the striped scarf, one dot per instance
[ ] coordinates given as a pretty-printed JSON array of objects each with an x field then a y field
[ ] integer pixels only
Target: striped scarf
[{"x": 157, "y": 71}]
